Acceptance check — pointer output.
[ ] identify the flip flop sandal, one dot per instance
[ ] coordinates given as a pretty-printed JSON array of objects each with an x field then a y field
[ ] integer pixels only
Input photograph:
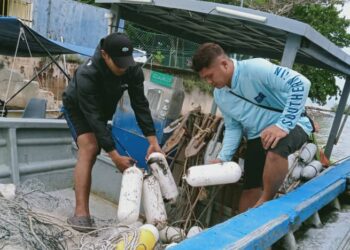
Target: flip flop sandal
[{"x": 82, "y": 224}]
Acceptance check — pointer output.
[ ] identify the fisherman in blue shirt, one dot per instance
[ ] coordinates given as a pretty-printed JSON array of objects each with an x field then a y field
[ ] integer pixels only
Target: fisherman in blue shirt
[{"x": 265, "y": 103}]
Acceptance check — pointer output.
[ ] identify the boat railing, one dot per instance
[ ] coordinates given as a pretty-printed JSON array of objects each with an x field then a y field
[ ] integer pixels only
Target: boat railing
[{"x": 36, "y": 147}]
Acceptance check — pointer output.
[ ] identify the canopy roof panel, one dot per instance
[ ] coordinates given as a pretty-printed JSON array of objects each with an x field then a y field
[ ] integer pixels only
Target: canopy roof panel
[
  {"x": 11, "y": 28},
  {"x": 201, "y": 22}
]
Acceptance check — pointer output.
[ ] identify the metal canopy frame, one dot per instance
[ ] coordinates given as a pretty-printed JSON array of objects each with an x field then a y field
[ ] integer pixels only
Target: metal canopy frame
[{"x": 278, "y": 37}]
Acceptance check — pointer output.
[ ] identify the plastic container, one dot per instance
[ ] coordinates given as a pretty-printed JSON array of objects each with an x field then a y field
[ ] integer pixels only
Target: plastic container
[
  {"x": 213, "y": 174},
  {"x": 311, "y": 170},
  {"x": 161, "y": 170},
  {"x": 130, "y": 195},
  {"x": 153, "y": 202}
]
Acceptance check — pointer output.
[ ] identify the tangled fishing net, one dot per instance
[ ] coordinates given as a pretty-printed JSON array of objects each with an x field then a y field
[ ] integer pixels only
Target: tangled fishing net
[
  {"x": 36, "y": 219},
  {"x": 25, "y": 221}
]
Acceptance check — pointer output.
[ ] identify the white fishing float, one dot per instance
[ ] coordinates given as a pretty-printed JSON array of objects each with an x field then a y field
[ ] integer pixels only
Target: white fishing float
[
  {"x": 130, "y": 195},
  {"x": 213, "y": 174},
  {"x": 171, "y": 234},
  {"x": 291, "y": 160},
  {"x": 194, "y": 231},
  {"x": 311, "y": 170},
  {"x": 161, "y": 170},
  {"x": 153, "y": 202},
  {"x": 296, "y": 173},
  {"x": 308, "y": 152}
]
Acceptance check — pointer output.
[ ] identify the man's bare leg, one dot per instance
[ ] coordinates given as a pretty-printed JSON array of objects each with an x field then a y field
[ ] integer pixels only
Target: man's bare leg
[
  {"x": 275, "y": 170},
  {"x": 87, "y": 153},
  {"x": 248, "y": 199}
]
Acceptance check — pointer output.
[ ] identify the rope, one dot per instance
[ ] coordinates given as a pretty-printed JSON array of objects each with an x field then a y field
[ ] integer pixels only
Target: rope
[
  {"x": 12, "y": 69},
  {"x": 343, "y": 159},
  {"x": 31, "y": 56},
  {"x": 31, "y": 221}
]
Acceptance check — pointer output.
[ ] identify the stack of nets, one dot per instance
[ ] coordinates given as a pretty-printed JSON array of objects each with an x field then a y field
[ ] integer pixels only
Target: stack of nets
[
  {"x": 36, "y": 219},
  {"x": 22, "y": 225}
]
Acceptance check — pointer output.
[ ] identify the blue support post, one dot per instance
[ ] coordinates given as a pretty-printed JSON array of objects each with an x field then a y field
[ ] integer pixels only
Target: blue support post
[
  {"x": 338, "y": 117},
  {"x": 290, "y": 50}
]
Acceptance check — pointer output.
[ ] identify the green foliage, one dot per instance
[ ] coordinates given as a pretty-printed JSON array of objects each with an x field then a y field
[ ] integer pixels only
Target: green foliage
[
  {"x": 169, "y": 51},
  {"x": 191, "y": 82},
  {"x": 158, "y": 57},
  {"x": 326, "y": 20}
]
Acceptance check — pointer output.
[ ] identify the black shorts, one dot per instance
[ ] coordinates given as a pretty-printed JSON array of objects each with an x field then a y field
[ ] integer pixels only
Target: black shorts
[
  {"x": 255, "y": 155},
  {"x": 77, "y": 122}
]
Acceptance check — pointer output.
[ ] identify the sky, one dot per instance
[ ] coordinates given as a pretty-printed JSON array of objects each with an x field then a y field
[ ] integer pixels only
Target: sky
[{"x": 339, "y": 82}]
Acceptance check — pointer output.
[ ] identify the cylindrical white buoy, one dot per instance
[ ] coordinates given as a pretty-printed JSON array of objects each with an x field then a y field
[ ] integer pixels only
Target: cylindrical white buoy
[
  {"x": 171, "y": 234},
  {"x": 308, "y": 152},
  {"x": 213, "y": 174},
  {"x": 161, "y": 171},
  {"x": 291, "y": 160},
  {"x": 296, "y": 173},
  {"x": 194, "y": 231},
  {"x": 311, "y": 170},
  {"x": 130, "y": 195},
  {"x": 153, "y": 202}
]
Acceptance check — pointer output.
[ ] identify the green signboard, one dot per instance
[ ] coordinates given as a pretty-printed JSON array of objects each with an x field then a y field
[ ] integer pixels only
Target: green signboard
[{"x": 162, "y": 79}]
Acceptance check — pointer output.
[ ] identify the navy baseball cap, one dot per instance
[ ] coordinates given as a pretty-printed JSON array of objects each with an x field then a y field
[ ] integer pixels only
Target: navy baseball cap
[{"x": 119, "y": 48}]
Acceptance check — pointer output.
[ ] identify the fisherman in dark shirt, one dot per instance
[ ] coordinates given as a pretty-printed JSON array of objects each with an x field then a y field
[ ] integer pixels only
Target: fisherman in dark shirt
[{"x": 90, "y": 100}]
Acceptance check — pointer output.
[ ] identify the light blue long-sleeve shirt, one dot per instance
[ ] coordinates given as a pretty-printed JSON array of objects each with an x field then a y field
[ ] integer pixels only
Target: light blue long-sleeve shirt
[{"x": 266, "y": 84}]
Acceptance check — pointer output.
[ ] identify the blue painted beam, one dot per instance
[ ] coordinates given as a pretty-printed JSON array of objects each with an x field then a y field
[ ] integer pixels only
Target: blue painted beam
[
  {"x": 338, "y": 117},
  {"x": 290, "y": 50},
  {"x": 260, "y": 227}
]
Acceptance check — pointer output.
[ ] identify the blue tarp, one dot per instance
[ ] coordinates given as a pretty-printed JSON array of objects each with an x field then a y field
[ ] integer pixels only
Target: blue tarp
[{"x": 10, "y": 28}]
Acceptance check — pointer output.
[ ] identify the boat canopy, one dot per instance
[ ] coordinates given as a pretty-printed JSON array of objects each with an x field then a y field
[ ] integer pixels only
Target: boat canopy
[
  {"x": 236, "y": 29},
  {"x": 11, "y": 28}
]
